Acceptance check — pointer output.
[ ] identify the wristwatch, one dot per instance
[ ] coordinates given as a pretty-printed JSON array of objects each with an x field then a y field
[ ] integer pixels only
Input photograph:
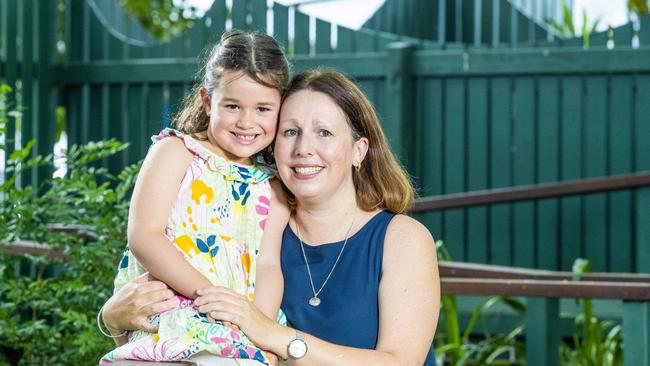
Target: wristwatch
[{"x": 297, "y": 348}]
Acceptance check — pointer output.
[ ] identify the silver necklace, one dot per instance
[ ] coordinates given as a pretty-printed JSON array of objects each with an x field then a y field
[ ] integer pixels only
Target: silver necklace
[{"x": 315, "y": 301}]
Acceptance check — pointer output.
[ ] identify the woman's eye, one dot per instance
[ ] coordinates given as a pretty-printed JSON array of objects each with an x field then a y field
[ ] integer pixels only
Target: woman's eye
[
  {"x": 291, "y": 133},
  {"x": 232, "y": 106},
  {"x": 324, "y": 133},
  {"x": 263, "y": 109}
]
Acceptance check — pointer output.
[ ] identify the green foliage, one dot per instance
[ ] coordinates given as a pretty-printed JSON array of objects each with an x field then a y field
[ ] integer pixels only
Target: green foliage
[
  {"x": 48, "y": 305},
  {"x": 566, "y": 29},
  {"x": 640, "y": 7},
  {"x": 7, "y": 110},
  {"x": 595, "y": 343},
  {"x": 165, "y": 19},
  {"x": 460, "y": 350}
]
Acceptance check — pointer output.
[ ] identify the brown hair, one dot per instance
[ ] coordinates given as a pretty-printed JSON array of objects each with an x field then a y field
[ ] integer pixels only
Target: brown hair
[
  {"x": 380, "y": 182},
  {"x": 256, "y": 54}
]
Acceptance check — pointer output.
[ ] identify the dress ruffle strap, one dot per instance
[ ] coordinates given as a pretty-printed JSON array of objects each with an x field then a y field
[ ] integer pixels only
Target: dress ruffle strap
[{"x": 214, "y": 162}]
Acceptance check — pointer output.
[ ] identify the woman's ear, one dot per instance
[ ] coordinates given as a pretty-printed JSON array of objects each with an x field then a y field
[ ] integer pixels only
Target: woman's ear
[
  {"x": 206, "y": 99},
  {"x": 360, "y": 150}
]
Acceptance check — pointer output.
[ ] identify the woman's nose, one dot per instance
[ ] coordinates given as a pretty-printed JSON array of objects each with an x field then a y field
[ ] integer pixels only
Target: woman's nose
[{"x": 303, "y": 147}]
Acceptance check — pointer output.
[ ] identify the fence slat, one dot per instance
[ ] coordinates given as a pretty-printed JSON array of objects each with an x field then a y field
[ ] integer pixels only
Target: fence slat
[
  {"x": 258, "y": 15},
  {"x": 500, "y": 174},
  {"x": 636, "y": 332},
  {"x": 595, "y": 148},
  {"x": 547, "y": 162},
  {"x": 523, "y": 171},
  {"x": 155, "y": 109},
  {"x": 46, "y": 24},
  {"x": 323, "y": 37},
  {"x": 454, "y": 165},
  {"x": 344, "y": 40},
  {"x": 11, "y": 68},
  {"x": 431, "y": 145},
  {"x": 477, "y": 167},
  {"x": 301, "y": 33},
  {"x": 571, "y": 236},
  {"x": 29, "y": 121},
  {"x": 281, "y": 25},
  {"x": 642, "y": 157},
  {"x": 620, "y": 131},
  {"x": 239, "y": 13}
]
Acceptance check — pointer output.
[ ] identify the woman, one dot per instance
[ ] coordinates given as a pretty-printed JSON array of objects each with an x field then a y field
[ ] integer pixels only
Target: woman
[{"x": 361, "y": 279}]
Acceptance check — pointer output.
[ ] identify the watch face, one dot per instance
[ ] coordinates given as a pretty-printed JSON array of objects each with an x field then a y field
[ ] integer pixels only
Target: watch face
[{"x": 297, "y": 348}]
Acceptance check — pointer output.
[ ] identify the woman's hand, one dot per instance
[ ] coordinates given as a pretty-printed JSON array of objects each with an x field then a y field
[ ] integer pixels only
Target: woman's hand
[
  {"x": 129, "y": 308},
  {"x": 228, "y": 306}
]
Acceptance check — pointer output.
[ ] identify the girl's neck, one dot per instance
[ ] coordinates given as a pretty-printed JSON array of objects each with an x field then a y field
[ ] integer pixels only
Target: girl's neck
[{"x": 213, "y": 148}]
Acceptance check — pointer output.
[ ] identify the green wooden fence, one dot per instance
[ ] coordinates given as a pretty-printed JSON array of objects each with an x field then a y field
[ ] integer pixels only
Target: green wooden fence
[
  {"x": 468, "y": 108},
  {"x": 461, "y": 119}
]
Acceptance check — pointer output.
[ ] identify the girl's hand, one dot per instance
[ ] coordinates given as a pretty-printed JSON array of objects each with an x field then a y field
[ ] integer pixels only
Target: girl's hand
[
  {"x": 130, "y": 307},
  {"x": 230, "y": 307}
]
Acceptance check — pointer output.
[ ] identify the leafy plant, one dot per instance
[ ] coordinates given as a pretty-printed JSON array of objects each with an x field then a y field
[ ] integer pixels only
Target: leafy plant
[
  {"x": 640, "y": 7},
  {"x": 7, "y": 111},
  {"x": 566, "y": 29},
  {"x": 165, "y": 19},
  {"x": 459, "y": 349},
  {"x": 597, "y": 343},
  {"x": 48, "y": 303}
]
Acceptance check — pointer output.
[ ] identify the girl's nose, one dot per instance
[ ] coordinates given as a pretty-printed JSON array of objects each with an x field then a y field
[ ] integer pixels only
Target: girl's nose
[{"x": 246, "y": 119}]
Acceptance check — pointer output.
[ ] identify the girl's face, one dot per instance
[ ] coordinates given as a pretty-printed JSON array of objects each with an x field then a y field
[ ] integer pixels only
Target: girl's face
[
  {"x": 243, "y": 116},
  {"x": 314, "y": 148}
]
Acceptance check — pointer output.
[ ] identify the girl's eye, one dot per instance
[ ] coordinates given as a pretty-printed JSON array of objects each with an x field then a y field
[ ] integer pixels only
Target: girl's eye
[
  {"x": 232, "y": 106},
  {"x": 324, "y": 133},
  {"x": 263, "y": 109},
  {"x": 291, "y": 132}
]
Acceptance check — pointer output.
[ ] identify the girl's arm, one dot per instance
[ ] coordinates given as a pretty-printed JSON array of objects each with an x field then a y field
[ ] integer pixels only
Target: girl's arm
[
  {"x": 269, "y": 281},
  {"x": 154, "y": 194},
  {"x": 409, "y": 303}
]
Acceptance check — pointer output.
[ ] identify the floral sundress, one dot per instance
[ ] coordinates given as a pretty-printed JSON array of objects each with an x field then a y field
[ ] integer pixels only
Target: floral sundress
[{"x": 217, "y": 222}]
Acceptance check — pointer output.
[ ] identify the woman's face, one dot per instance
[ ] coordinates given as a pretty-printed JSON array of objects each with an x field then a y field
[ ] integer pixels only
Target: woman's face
[{"x": 314, "y": 148}]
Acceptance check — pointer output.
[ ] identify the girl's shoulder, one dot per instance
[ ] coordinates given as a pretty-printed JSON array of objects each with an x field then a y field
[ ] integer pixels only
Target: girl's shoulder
[
  {"x": 258, "y": 172},
  {"x": 180, "y": 139}
]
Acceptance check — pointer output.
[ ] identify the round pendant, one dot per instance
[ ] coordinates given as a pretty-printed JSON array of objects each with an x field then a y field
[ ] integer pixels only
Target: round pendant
[{"x": 314, "y": 301}]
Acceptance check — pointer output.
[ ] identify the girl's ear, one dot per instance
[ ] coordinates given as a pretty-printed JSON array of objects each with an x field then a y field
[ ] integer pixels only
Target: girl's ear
[{"x": 205, "y": 99}]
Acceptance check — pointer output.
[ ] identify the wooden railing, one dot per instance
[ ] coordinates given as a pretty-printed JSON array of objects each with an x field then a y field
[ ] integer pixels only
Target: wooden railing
[
  {"x": 542, "y": 288},
  {"x": 531, "y": 192}
]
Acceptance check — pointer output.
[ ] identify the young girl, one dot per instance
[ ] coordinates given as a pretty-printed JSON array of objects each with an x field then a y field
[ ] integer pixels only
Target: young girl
[{"x": 203, "y": 213}]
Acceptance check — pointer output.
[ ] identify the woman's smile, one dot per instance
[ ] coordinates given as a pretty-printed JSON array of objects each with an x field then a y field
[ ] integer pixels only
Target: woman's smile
[{"x": 306, "y": 171}]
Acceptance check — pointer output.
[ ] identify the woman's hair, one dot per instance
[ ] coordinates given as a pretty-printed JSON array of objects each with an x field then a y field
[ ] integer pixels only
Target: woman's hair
[
  {"x": 255, "y": 54},
  {"x": 380, "y": 182}
]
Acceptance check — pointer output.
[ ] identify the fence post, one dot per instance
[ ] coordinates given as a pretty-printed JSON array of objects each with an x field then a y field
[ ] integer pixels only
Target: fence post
[
  {"x": 636, "y": 333},
  {"x": 542, "y": 331},
  {"x": 11, "y": 68},
  {"x": 45, "y": 102},
  {"x": 399, "y": 119}
]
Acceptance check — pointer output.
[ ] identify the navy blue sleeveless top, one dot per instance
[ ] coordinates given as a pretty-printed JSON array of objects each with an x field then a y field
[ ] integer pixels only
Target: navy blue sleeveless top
[{"x": 349, "y": 311}]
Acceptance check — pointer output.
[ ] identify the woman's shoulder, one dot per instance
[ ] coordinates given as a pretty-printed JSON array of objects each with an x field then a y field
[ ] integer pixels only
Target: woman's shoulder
[{"x": 406, "y": 234}]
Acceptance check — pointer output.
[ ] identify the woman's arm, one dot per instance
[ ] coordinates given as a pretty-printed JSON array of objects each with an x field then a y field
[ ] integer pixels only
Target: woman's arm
[
  {"x": 131, "y": 305},
  {"x": 269, "y": 281},
  {"x": 154, "y": 194},
  {"x": 409, "y": 298}
]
